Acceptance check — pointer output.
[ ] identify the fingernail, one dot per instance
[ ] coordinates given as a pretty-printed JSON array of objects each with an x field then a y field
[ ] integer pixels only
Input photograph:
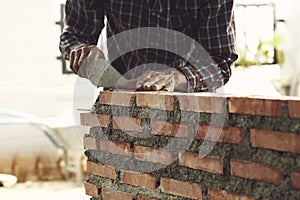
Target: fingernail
[
  {"x": 154, "y": 87},
  {"x": 147, "y": 86}
]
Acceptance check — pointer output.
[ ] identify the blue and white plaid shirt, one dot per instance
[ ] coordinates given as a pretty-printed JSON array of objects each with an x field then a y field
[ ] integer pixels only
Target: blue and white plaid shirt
[{"x": 209, "y": 22}]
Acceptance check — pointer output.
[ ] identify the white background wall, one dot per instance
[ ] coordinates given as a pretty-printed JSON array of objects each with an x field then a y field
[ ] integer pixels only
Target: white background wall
[
  {"x": 30, "y": 76},
  {"x": 31, "y": 80}
]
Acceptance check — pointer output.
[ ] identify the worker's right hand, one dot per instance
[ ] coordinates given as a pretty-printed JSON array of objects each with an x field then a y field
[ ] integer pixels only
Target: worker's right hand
[{"x": 81, "y": 58}]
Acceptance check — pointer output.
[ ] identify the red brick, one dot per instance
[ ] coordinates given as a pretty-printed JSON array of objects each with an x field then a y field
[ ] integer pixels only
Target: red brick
[
  {"x": 90, "y": 143},
  {"x": 214, "y": 194},
  {"x": 115, "y": 195},
  {"x": 295, "y": 179},
  {"x": 180, "y": 188},
  {"x": 230, "y": 135},
  {"x": 169, "y": 129},
  {"x": 114, "y": 147},
  {"x": 294, "y": 108},
  {"x": 138, "y": 179},
  {"x": 90, "y": 119},
  {"x": 280, "y": 141},
  {"x": 155, "y": 100},
  {"x": 256, "y": 171},
  {"x": 127, "y": 123},
  {"x": 194, "y": 161},
  {"x": 119, "y": 98},
  {"x": 143, "y": 198},
  {"x": 153, "y": 155},
  {"x": 101, "y": 170},
  {"x": 201, "y": 102},
  {"x": 256, "y": 106},
  {"x": 91, "y": 190}
]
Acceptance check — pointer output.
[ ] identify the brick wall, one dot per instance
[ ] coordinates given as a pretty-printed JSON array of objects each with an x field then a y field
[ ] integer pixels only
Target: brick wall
[{"x": 150, "y": 145}]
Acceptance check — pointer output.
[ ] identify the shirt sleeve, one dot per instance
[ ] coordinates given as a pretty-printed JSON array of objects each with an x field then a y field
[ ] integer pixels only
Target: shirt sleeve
[
  {"x": 216, "y": 34},
  {"x": 84, "y": 21}
]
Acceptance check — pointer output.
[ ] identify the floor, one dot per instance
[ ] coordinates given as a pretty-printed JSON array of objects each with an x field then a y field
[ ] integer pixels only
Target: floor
[{"x": 51, "y": 190}]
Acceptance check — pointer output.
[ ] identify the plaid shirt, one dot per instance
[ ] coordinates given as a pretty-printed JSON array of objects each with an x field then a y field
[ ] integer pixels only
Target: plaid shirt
[{"x": 209, "y": 22}]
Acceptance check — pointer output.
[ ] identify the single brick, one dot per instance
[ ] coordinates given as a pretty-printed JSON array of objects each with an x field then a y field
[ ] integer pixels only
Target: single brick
[
  {"x": 127, "y": 123},
  {"x": 280, "y": 141},
  {"x": 295, "y": 179},
  {"x": 155, "y": 100},
  {"x": 114, "y": 147},
  {"x": 101, "y": 170},
  {"x": 90, "y": 143},
  {"x": 153, "y": 155},
  {"x": 90, "y": 119},
  {"x": 115, "y": 195},
  {"x": 201, "y": 102},
  {"x": 119, "y": 98},
  {"x": 91, "y": 190},
  {"x": 169, "y": 129},
  {"x": 294, "y": 108},
  {"x": 180, "y": 188},
  {"x": 143, "y": 198},
  {"x": 194, "y": 161},
  {"x": 214, "y": 194},
  {"x": 230, "y": 135},
  {"x": 256, "y": 171},
  {"x": 256, "y": 106},
  {"x": 138, "y": 179}
]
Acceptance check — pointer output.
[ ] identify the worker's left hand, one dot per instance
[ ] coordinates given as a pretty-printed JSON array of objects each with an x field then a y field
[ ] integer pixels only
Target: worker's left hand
[{"x": 162, "y": 80}]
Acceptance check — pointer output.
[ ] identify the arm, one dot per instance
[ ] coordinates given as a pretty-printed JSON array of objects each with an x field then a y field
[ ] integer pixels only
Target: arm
[
  {"x": 216, "y": 33},
  {"x": 84, "y": 21}
]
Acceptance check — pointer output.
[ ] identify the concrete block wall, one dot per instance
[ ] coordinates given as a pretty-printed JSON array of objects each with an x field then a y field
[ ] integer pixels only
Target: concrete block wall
[{"x": 157, "y": 145}]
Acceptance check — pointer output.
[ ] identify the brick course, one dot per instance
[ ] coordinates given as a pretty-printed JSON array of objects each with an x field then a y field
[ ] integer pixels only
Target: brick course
[
  {"x": 153, "y": 155},
  {"x": 256, "y": 171},
  {"x": 89, "y": 119},
  {"x": 294, "y": 108},
  {"x": 119, "y": 98},
  {"x": 256, "y": 106},
  {"x": 230, "y": 135},
  {"x": 138, "y": 179},
  {"x": 194, "y": 161},
  {"x": 91, "y": 189},
  {"x": 101, "y": 170},
  {"x": 169, "y": 129},
  {"x": 280, "y": 141},
  {"x": 295, "y": 180},
  {"x": 114, "y": 147},
  {"x": 90, "y": 143},
  {"x": 180, "y": 188},
  {"x": 127, "y": 124}
]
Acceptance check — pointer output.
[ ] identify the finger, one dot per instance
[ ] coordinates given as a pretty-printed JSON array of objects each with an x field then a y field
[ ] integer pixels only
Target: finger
[
  {"x": 141, "y": 80},
  {"x": 85, "y": 51},
  {"x": 72, "y": 58},
  {"x": 165, "y": 80},
  {"x": 151, "y": 81},
  {"x": 83, "y": 65},
  {"x": 169, "y": 87},
  {"x": 76, "y": 59}
]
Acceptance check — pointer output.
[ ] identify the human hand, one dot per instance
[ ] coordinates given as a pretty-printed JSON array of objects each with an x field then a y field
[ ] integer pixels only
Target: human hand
[
  {"x": 82, "y": 57},
  {"x": 162, "y": 80}
]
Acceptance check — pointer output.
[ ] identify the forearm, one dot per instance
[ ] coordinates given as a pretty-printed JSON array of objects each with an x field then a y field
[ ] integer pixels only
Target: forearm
[{"x": 203, "y": 76}]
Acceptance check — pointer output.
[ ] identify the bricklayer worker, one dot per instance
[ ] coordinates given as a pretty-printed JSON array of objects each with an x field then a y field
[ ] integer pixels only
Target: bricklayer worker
[{"x": 208, "y": 22}]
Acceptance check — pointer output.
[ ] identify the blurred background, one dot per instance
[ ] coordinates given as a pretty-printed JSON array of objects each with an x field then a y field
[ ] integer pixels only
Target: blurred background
[{"x": 40, "y": 100}]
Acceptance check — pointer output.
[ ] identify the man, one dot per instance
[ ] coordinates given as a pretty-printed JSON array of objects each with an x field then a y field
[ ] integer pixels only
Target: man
[{"x": 209, "y": 22}]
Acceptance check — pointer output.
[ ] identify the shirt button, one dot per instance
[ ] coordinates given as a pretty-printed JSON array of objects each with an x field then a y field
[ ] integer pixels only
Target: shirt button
[{"x": 154, "y": 13}]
